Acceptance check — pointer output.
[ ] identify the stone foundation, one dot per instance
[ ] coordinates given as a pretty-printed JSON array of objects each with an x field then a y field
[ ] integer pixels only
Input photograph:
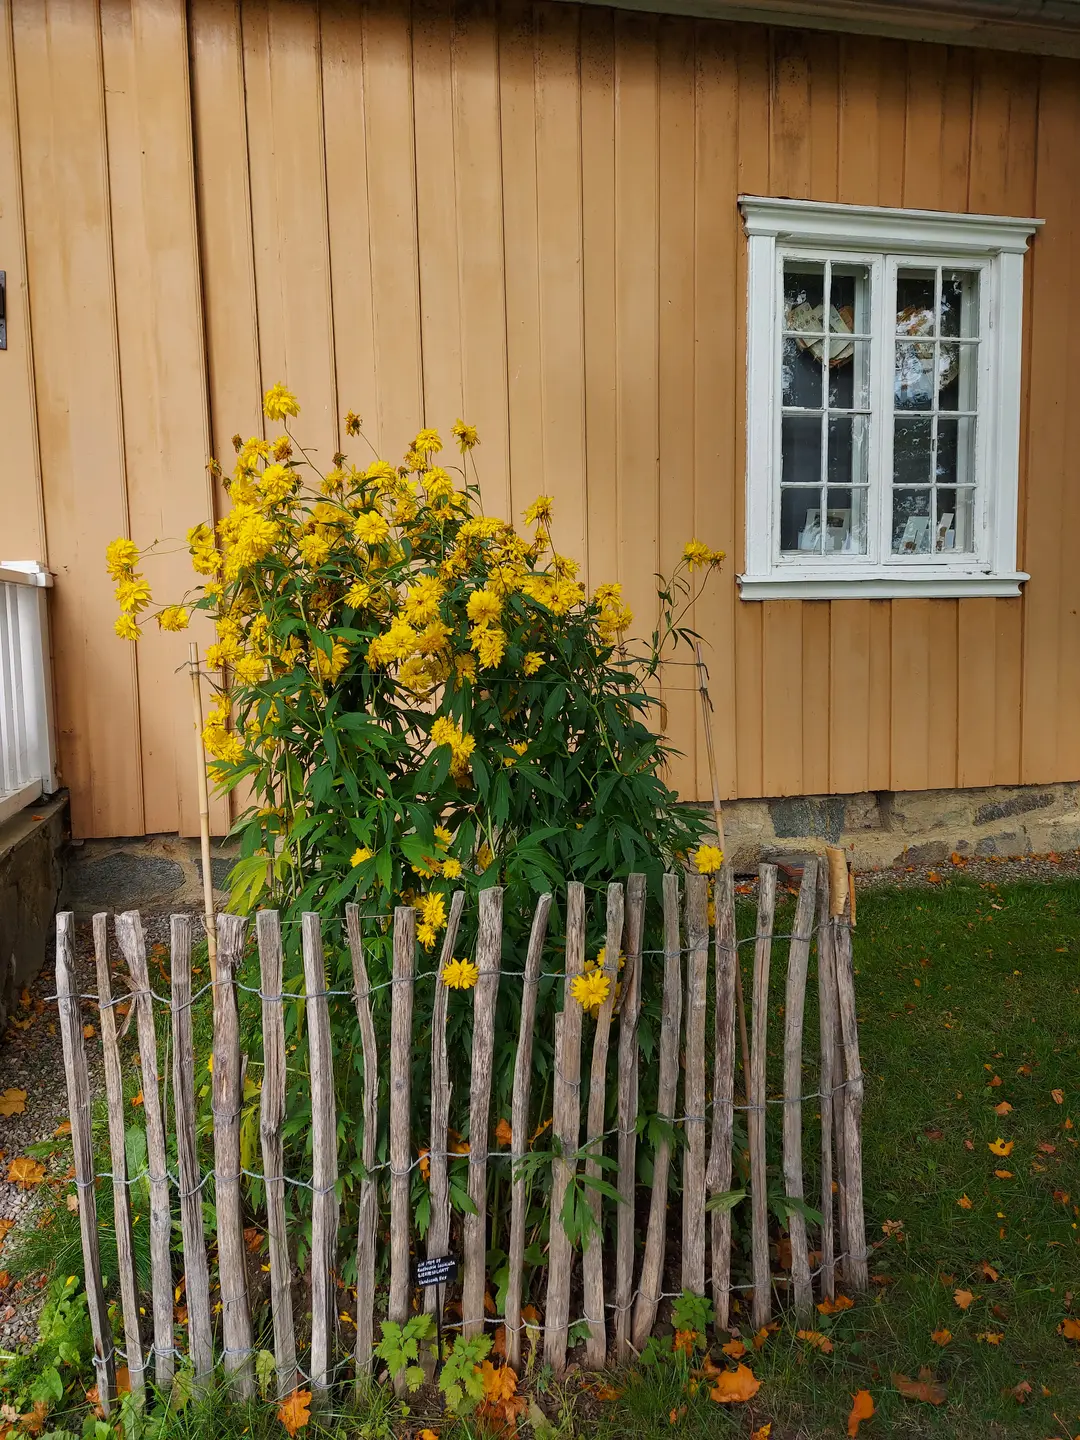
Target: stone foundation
[
  {"x": 31, "y": 846},
  {"x": 152, "y": 872},
  {"x": 917, "y": 827}
]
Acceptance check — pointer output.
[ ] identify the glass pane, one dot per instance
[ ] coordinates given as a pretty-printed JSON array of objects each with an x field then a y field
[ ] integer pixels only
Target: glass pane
[
  {"x": 914, "y": 376},
  {"x": 800, "y": 373},
  {"x": 804, "y": 295},
  {"x": 961, "y": 504},
  {"x": 848, "y": 446},
  {"x": 849, "y": 299},
  {"x": 958, "y": 366},
  {"x": 956, "y": 450},
  {"x": 915, "y": 301},
  {"x": 849, "y": 374},
  {"x": 911, "y": 522},
  {"x": 960, "y": 302},
  {"x": 912, "y": 447},
  {"x": 845, "y": 522},
  {"x": 800, "y": 520},
  {"x": 800, "y": 444}
]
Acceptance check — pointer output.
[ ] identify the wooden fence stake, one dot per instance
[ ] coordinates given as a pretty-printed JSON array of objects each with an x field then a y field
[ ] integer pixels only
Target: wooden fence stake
[
  {"x": 129, "y": 933},
  {"x": 438, "y": 1236},
  {"x": 369, "y": 1194},
  {"x": 401, "y": 1011},
  {"x": 794, "y": 1007},
  {"x": 629, "y": 1011},
  {"x": 486, "y": 992},
  {"x": 196, "y": 1269},
  {"x": 592, "y": 1259},
  {"x": 204, "y": 809},
  {"x": 755, "y": 1117},
  {"x": 697, "y": 979},
  {"x": 324, "y": 1205},
  {"x": 114, "y": 1093},
  {"x": 652, "y": 1264},
  {"x": 271, "y": 1120},
  {"x": 519, "y": 1128},
  {"x": 566, "y": 1126},
  {"x": 227, "y": 1104},
  {"x": 718, "y": 1178},
  {"x": 82, "y": 1140},
  {"x": 827, "y": 1020},
  {"x": 855, "y": 1265}
]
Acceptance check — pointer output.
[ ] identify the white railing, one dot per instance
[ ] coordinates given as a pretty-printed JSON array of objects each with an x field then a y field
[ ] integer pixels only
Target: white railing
[{"x": 27, "y": 743}]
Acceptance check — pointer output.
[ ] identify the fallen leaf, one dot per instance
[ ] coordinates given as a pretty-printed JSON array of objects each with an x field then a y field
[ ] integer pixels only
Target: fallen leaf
[
  {"x": 1003, "y": 1109},
  {"x": 990, "y": 1337},
  {"x": 500, "y": 1382},
  {"x": 1024, "y": 1070},
  {"x": 64, "y": 1128},
  {"x": 5, "y": 1279},
  {"x": 994, "y": 1081},
  {"x": 72, "y": 1202},
  {"x": 33, "y": 1422},
  {"x": 427, "y": 1434},
  {"x": 684, "y": 1342},
  {"x": 933, "y": 878},
  {"x": 294, "y": 1412},
  {"x": 833, "y": 1307},
  {"x": 934, "y": 1134},
  {"x": 761, "y": 1336},
  {"x": 608, "y": 1392},
  {"x": 862, "y": 1408},
  {"x": 1004, "y": 1174},
  {"x": 735, "y": 1386},
  {"x": 503, "y": 1133},
  {"x": 25, "y": 1172},
  {"x": 252, "y": 1238},
  {"x": 1046, "y": 1148},
  {"x": 926, "y": 1388},
  {"x": 963, "y": 1298},
  {"x": 1070, "y": 1329},
  {"x": 969, "y": 1145},
  {"x": 5, "y": 1226},
  {"x": 137, "y": 1100},
  {"x": 964, "y": 1203},
  {"x": 1021, "y": 1391},
  {"x": 941, "y": 1337},
  {"x": 735, "y": 1349},
  {"x": 489, "y": 1303},
  {"x": 1055, "y": 1095},
  {"x": 88, "y": 1032},
  {"x": 675, "y": 1415},
  {"x": 762, "y": 1432},
  {"x": 988, "y": 1270},
  {"x": 817, "y": 1339},
  {"x": 1000, "y": 1147},
  {"x": 12, "y": 1102}
]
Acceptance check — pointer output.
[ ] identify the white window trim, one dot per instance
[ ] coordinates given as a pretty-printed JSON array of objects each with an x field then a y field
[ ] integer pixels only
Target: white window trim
[{"x": 1000, "y": 242}]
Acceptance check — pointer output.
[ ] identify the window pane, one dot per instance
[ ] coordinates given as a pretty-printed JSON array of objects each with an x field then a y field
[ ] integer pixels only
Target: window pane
[
  {"x": 957, "y": 371},
  {"x": 849, "y": 374},
  {"x": 849, "y": 299},
  {"x": 911, "y": 522},
  {"x": 848, "y": 447},
  {"x": 915, "y": 302},
  {"x": 914, "y": 377},
  {"x": 845, "y": 522},
  {"x": 800, "y": 374},
  {"x": 960, "y": 302},
  {"x": 956, "y": 450},
  {"x": 800, "y": 520},
  {"x": 804, "y": 295},
  {"x": 953, "y": 529},
  {"x": 912, "y": 449},
  {"x": 800, "y": 445}
]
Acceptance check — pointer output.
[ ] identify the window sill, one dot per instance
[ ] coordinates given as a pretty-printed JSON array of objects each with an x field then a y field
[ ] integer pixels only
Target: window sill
[{"x": 906, "y": 586}]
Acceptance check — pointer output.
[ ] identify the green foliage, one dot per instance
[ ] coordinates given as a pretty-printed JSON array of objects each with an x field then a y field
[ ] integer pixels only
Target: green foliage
[
  {"x": 61, "y": 1355},
  {"x": 399, "y": 1347},
  {"x": 461, "y": 1379},
  {"x": 692, "y": 1312}
]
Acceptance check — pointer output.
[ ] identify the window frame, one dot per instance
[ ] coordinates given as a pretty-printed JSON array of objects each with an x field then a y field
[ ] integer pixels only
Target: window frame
[{"x": 884, "y": 239}]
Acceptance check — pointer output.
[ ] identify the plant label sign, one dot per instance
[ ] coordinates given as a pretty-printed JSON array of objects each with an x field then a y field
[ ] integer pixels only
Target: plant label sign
[{"x": 436, "y": 1272}]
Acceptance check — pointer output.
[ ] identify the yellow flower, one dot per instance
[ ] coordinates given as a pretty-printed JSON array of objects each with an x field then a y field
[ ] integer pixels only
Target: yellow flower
[
  {"x": 445, "y": 732},
  {"x": 708, "y": 859},
  {"x": 250, "y": 669},
  {"x": 484, "y": 856},
  {"x": 173, "y": 617},
  {"x": 532, "y": 662},
  {"x": 352, "y": 423},
  {"x": 442, "y": 835},
  {"x": 278, "y": 402},
  {"x": 489, "y": 642},
  {"x": 360, "y": 855},
  {"x": 370, "y": 527},
  {"x": 432, "y": 910},
  {"x": 120, "y": 556},
  {"x": 126, "y": 628},
  {"x": 427, "y": 935},
  {"x": 313, "y": 549},
  {"x": 133, "y": 593},
  {"x": 483, "y": 606},
  {"x": 540, "y": 511},
  {"x": 421, "y": 604},
  {"x": 465, "y": 667},
  {"x": 451, "y": 869},
  {"x": 427, "y": 442},
  {"x": 329, "y": 667},
  {"x": 358, "y": 595},
  {"x": 465, "y": 435},
  {"x": 382, "y": 472},
  {"x": 520, "y": 746},
  {"x": 439, "y": 485},
  {"x": 276, "y": 483},
  {"x": 591, "y": 990},
  {"x": 460, "y": 974}
]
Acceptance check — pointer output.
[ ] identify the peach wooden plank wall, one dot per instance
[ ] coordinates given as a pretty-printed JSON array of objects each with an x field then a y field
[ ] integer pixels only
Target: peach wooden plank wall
[{"x": 524, "y": 214}]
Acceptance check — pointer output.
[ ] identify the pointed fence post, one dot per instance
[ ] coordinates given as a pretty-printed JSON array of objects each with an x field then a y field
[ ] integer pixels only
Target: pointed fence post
[
  {"x": 369, "y": 1191},
  {"x": 629, "y": 1011},
  {"x": 756, "y": 1099},
  {"x": 489, "y": 960},
  {"x": 697, "y": 982},
  {"x": 718, "y": 1177},
  {"x": 324, "y": 1205},
  {"x": 401, "y": 1012},
  {"x": 438, "y": 1236},
  {"x": 794, "y": 1006}
]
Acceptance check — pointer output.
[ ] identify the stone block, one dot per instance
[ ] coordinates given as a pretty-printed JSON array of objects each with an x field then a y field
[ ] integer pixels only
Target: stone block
[
  {"x": 1021, "y": 802},
  {"x": 127, "y": 879},
  {"x": 1013, "y": 842},
  {"x": 799, "y": 817}
]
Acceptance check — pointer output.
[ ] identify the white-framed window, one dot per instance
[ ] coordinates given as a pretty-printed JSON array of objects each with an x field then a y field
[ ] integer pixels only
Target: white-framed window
[{"x": 883, "y": 401}]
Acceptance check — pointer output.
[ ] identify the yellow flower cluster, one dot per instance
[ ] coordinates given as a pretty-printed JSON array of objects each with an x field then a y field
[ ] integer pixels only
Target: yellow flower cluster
[
  {"x": 445, "y": 732},
  {"x": 708, "y": 859},
  {"x": 697, "y": 554},
  {"x": 615, "y": 616},
  {"x": 431, "y": 918},
  {"x": 220, "y": 741}
]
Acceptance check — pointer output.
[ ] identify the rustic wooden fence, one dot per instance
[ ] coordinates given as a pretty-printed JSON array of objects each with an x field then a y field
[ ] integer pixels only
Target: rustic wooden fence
[{"x": 619, "y": 1301}]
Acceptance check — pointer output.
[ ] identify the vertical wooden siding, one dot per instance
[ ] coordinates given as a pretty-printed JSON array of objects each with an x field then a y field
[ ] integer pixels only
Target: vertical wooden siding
[{"x": 524, "y": 214}]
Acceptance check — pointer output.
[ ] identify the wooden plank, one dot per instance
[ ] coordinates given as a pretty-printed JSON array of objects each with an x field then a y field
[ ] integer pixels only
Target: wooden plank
[
  {"x": 324, "y": 1167},
  {"x": 855, "y": 1263},
  {"x": 129, "y": 935},
  {"x": 566, "y": 1124},
  {"x": 519, "y": 1128},
  {"x": 401, "y": 1011},
  {"x": 271, "y": 1119},
  {"x": 629, "y": 1013},
  {"x": 697, "y": 980},
  {"x": 82, "y": 1143},
  {"x": 485, "y": 993},
  {"x": 592, "y": 1260},
  {"x": 794, "y": 1006},
  {"x": 196, "y": 1269},
  {"x": 228, "y": 1099},
  {"x": 827, "y": 1023},
  {"x": 756, "y": 1099},
  {"x": 718, "y": 1177},
  {"x": 114, "y": 1095},
  {"x": 652, "y": 1261},
  {"x": 438, "y": 1236},
  {"x": 369, "y": 1193}
]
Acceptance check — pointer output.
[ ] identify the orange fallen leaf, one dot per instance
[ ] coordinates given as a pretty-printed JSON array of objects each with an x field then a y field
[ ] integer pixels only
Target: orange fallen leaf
[
  {"x": 5, "y": 1226},
  {"x": 427, "y": 1434},
  {"x": 964, "y": 1203},
  {"x": 941, "y": 1337},
  {"x": 988, "y": 1271},
  {"x": 72, "y": 1202},
  {"x": 64, "y": 1128},
  {"x": 990, "y": 1337},
  {"x": 735, "y": 1349},
  {"x": 933, "y": 878},
  {"x": 1057, "y": 1097},
  {"x": 12, "y": 1102},
  {"x": 500, "y": 1382},
  {"x": 1004, "y": 1174},
  {"x": 252, "y": 1238},
  {"x": 684, "y": 1341},
  {"x": 503, "y": 1133},
  {"x": 294, "y": 1412},
  {"x": 489, "y": 1303},
  {"x": 25, "y": 1172},
  {"x": 1000, "y": 1147},
  {"x": 817, "y": 1339},
  {"x": 994, "y": 1081},
  {"x": 88, "y": 1032},
  {"x": 675, "y": 1415},
  {"x": 1003, "y": 1109},
  {"x": 1024, "y": 1070},
  {"x": 1070, "y": 1329},
  {"x": 833, "y": 1307},
  {"x": 137, "y": 1099},
  {"x": 1046, "y": 1148},
  {"x": 762, "y": 1432},
  {"x": 5, "y": 1279},
  {"x": 862, "y": 1408},
  {"x": 735, "y": 1386},
  {"x": 1021, "y": 1391},
  {"x": 926, "y": 1388},
  {"x": 608, "y": 1392},
  {"x": 963, "y": 1298}
]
